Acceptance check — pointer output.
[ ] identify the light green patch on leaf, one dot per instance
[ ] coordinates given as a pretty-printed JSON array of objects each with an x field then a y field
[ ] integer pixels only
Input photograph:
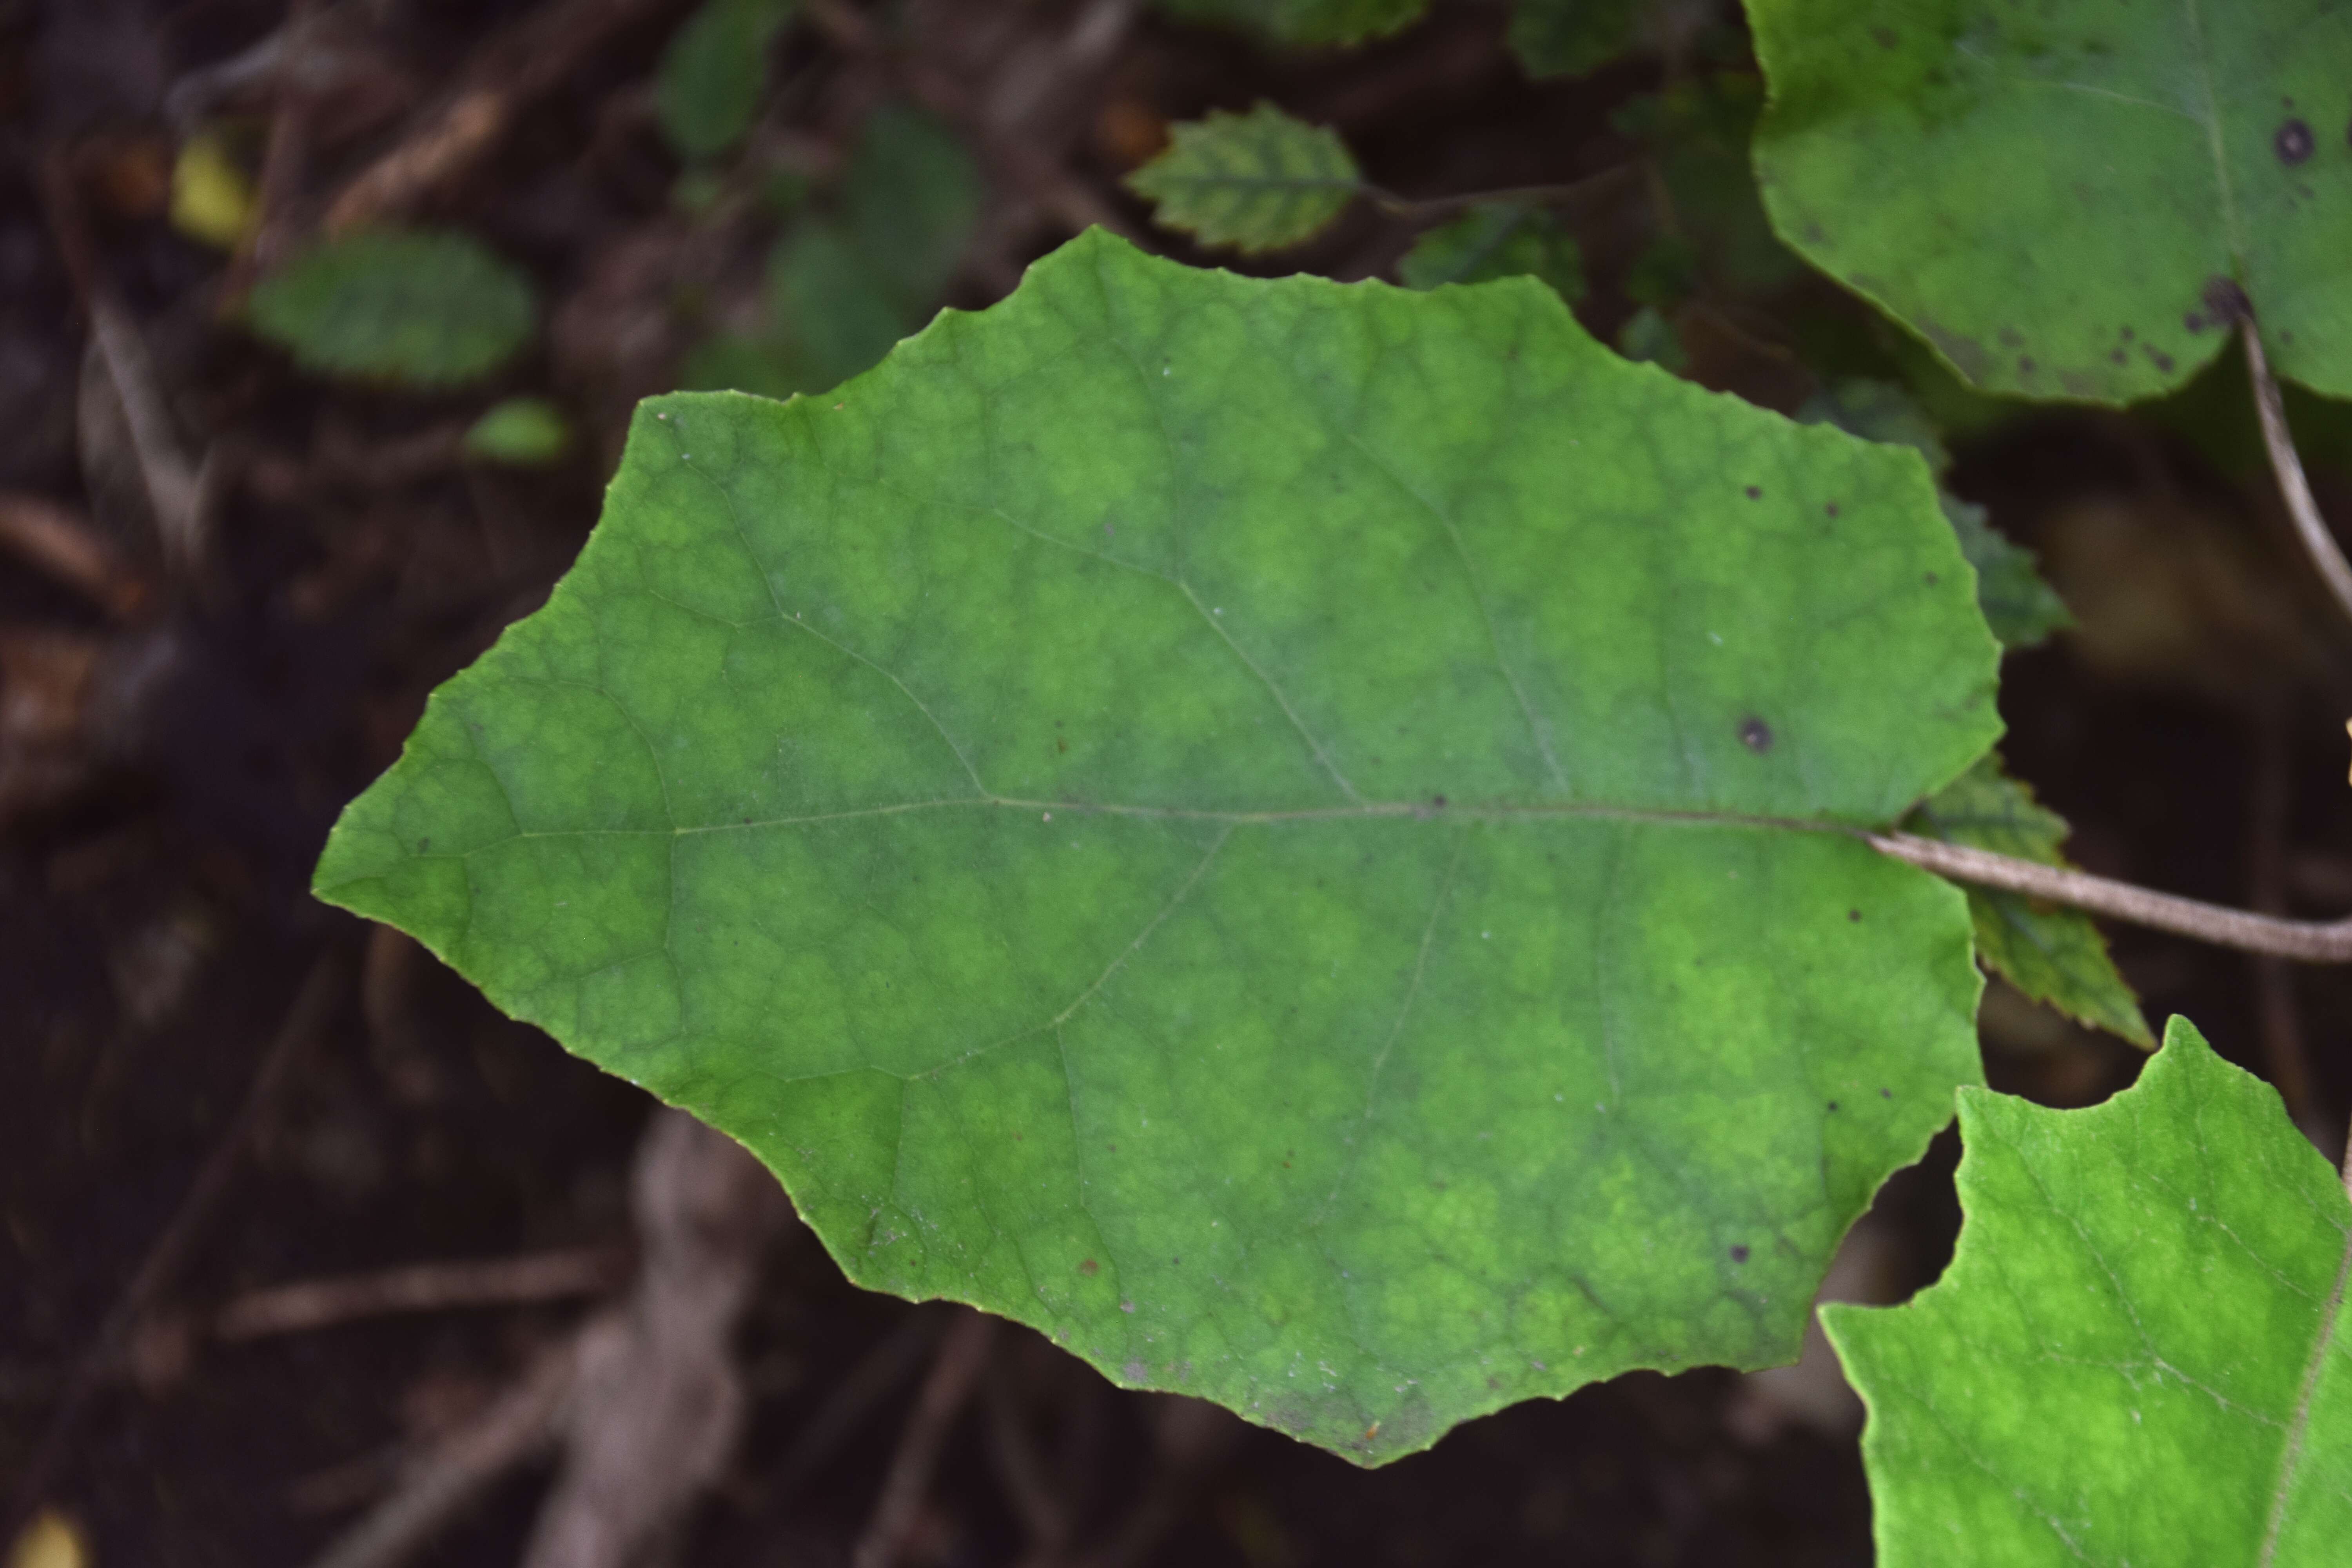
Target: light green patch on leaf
[
  {"x": 427, "y": 308},
  {"x": 524, "y": 432},
  {"x": 1573, "y": 37},
  {"x": 714, "y": 71},
  {"x": 1303, "y": 21},
  {"x": 1292, "y": 836},
  {"x": 2137, "y": 1354},
  {"x": 2020, "y": 605},
  {"x": 2046, "y": 193},
  {"x": 1496, "y": 239},
  {"x": 2054, "y": 956},
  {"x": 1259, "y": 181}
]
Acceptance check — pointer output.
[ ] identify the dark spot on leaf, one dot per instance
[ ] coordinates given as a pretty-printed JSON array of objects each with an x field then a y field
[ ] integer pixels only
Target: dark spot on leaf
[
  {"x": 1887, "y": 1094},
  {"x": 423, "y": 845},
  {"x": 2012, "y": 338},
  {"x": 1833, "y": 1105},
  {"x": 1931, "y": 579},
  {"x": 2024, "y": 364},
  {"x": 2118, "y": 356},
  {"x": 2130, "y": 334},
  {"x": 2294, "y": 143},
  {"x": 1060, "y": 745},
  {"x": 1754, "y": 492},
  {"x": 1089, "y": 1268},
  {"x": 1114, "y": 1148},
  {"x": 1755, "y": 734},
  {"x": 2163, "y": 361},
  {"x": 2193, "y": 321},
  {"x": 1854, "y": 915},
  {"x": 2226, "y": 300},
  {"x": 1020, "y": 1137},
  {"x": 1437, "y": 800},
  {"x": 1883, "y": 36},
  {"x": 1831, "y": 509},
  {"x": 1738, "y": 1253}
]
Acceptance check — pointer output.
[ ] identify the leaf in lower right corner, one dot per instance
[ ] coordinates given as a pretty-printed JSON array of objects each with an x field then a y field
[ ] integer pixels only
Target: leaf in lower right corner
[
  {"x": 2054, "y": 956},
  {"x": 2137, "y": 1355},
  {"x": 1260, "y": 180}
]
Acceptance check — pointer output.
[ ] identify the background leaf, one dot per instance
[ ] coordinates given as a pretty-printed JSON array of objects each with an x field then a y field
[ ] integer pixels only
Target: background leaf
[
  {"x": 1259, "y": 828},
  {"x": 714, "y": 71},
  {"x": 2138, "y": 1353},
  {"x": 1304, "y": 21},
  {"x": 1570, "y": 37},
  {"x": 1259, "y": 181},
  {"x": 525, "y": 432},
  {"x": 428, "y": 308},
  {"x": 2046, "y": 193},
  {"x": 2054, "y": 956},
  {"x": 1496, "y": 239}
]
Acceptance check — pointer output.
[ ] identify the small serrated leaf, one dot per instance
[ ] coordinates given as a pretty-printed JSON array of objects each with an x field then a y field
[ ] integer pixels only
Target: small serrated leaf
[
  {"x": 2138, "y": 1353},
  {"x": 1571, "y": 37},
  {"x": 712, "y": 73},
  {"x": 1496, "y": 239},
  {"x": 427, "y": 308},
  {"x": 1304, "y": 21},
  {"x": 1259, "y": 181},
  {"x": 2022, "y": 607},
  {"x": 2054, "y": 956}
]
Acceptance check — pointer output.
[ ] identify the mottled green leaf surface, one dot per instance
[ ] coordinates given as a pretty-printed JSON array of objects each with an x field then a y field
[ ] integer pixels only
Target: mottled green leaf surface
[
  {"x": 2137, "y": 1354},
  {"x": 427, "y": 308},
  {"x": 1259, "y": 181},
  {"x": 1569, "y": 38},
  {"x": 2054, "y": 954},
  {"x": 1281, "y": 833},
  {"x": 1496, "y": 239},
  {"x": 2046, "y": 193}
]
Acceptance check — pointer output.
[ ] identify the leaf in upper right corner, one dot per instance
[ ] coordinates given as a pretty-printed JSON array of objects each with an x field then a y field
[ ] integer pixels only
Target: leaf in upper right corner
[
  {"x": 2054, "y": 956},
  {"x": 1571, "y": 37},
  {"x": 1496, "y": 239},
  {"x": 708, "y": 84},
  {"x": 2137, "y": 1354},
  {"x": 2045, "y": 192},
  {"x": 1260, "y": 180},
  {"x": 425, "y": 308},
  {"x": 1304, "y": 21}
]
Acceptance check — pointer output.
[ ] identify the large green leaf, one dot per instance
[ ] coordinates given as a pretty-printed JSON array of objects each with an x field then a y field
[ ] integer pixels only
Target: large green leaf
[
  {"x": 1288, "y": 835},
  {"x": 2054, "y": 956},
  {"x": 1259, "y": 181},
  {"x": 2048, "y": 192},
  {"x": 2138, "y": 1353}
]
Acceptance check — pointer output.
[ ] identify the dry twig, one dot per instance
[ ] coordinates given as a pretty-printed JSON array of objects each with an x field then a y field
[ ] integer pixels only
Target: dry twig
[
  {"x": 421, "y": 1287},
  {"x": 2279, "y": 441},
  {"x": 963, "y": 1354}
]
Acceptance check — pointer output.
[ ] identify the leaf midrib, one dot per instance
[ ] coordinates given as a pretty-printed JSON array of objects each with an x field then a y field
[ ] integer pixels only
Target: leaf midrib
[{"x": 2291, "y": 1456}]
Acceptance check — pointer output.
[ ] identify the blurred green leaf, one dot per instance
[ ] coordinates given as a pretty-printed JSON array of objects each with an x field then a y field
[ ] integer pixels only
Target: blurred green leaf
[
  {"x": 1570, "y": 37},
  {"x": 1698, "y": 134},
  {"x": 1260, "y": 180},
  {"x": 1303, "y": 21},
  {"x": 1496, "y": 239},
  {"x": 1878, "y": 411},
  {"x": 2054, "y": 956},
  {"x": 524, "y": 432},
  {"x": 427, "y": 308},
  {"x": 909, "y": 200},
  {"x": 714, "y": 71},
  {"x": 832, "y": 303},
  {"x": 1648, "y": 336}
]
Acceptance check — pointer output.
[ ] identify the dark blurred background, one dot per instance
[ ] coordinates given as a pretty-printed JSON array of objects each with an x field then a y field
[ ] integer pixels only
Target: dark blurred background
[{"x": 297, "y": 1225}]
